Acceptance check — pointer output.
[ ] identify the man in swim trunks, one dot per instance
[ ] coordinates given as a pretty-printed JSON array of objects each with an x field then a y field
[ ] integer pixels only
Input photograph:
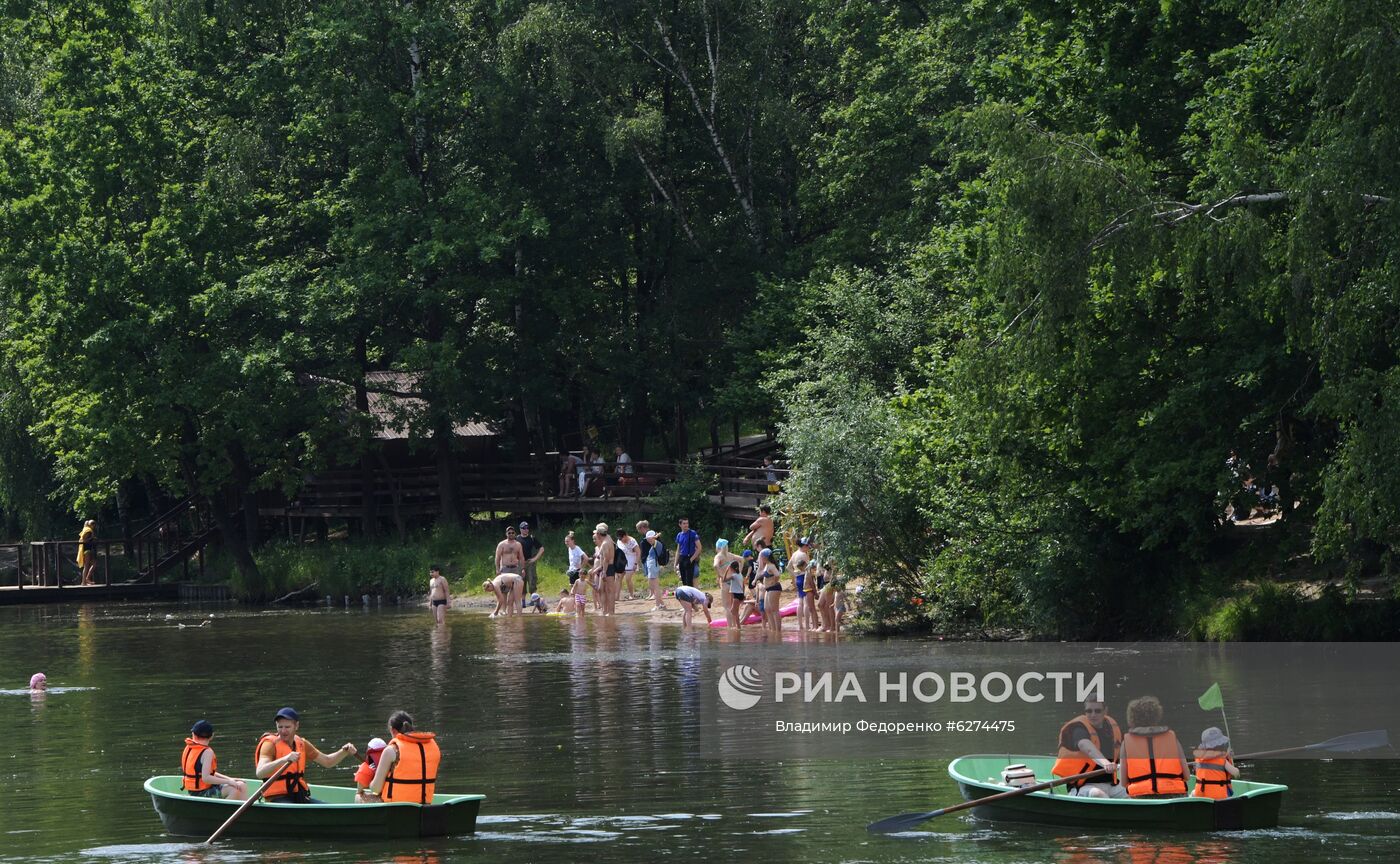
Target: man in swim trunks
[
  {"x": 605, "y": 568},
  {"x": 692, "y": 599},
  {"x": 439, "y": 594},
  {"x": 510, "y": 564},
  {"x": 761, "y": 528}
]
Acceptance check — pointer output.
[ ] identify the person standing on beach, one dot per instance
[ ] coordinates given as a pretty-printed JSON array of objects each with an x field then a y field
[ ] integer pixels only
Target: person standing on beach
[
  {"x": 439, "y": 594},
  {"x": 510, "y": 563},
  {"x": 605, "y": 568},
  {"x": 532, "y": 549},
  {"x": 804, "y": 579},
  {"x": 632, "y": 550},
  {"x": 653, "y": 569},
  {"x": 688, "y": 548},
  {"x": 761, "y": 528}
]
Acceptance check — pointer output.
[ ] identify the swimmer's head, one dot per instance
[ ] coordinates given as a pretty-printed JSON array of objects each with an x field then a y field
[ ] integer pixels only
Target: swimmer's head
[
  {"x": 38, "y": 681},
  {"x": 721, "y": 543}
]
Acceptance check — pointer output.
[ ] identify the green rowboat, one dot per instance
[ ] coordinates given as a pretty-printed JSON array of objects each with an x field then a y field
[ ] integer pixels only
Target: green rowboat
[
  {"x": 1254, "y": 805},
  {"x": 339, "y": 817}
]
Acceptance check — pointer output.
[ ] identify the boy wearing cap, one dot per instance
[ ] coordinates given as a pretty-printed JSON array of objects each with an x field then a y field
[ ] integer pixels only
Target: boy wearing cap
[
  {"x": 286, "y": 747},
  {"x": 199, "y": 769}
]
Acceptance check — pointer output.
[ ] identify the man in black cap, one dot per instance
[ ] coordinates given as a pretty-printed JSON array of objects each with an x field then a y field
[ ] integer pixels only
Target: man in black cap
[
  {"x": 199, "y": 769},
  {"x": 286, "y": 747},
  {"x": 533, "y": 549}
]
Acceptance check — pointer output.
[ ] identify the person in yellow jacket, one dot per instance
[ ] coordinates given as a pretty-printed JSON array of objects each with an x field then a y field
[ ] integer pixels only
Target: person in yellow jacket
[
  {"x": 1215, "y": 766},
  {"x": 87, "y": 551},
  {"x": 286, "y": 747},
  {"x": 199, "y": 768},
  {"x": 408, "y": 767},
  {"x": 1151, "y": 763}
]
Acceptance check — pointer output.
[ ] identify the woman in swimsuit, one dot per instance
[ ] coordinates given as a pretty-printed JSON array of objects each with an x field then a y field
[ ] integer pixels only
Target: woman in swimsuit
[
  {"x": 722, "y": 564},
  {"x": 490, "y": 585},
  {"x": 772, "y": 591}
]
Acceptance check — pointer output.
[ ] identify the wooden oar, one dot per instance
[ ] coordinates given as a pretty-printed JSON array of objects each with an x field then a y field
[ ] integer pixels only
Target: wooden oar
[
  {"x": 246, "y": 804},
  {"x": 905, "y": 821},
  {"x": 1352, "y": 743}
]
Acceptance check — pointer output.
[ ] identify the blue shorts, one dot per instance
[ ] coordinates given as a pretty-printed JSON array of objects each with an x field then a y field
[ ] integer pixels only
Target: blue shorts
[{"x": 800, "y": 592}]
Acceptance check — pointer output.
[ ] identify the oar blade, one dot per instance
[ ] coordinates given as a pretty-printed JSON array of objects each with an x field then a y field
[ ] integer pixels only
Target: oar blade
[
  {"x": 902, "y": 822},
  {"x": 1355, "y": 742}
]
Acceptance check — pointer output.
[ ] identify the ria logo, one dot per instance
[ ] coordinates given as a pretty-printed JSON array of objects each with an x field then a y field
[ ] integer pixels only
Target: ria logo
[{"x": 739, "y": 687}]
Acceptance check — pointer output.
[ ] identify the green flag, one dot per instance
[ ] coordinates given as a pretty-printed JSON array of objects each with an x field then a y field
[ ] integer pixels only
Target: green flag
[{"x": 1211, "y": 699}]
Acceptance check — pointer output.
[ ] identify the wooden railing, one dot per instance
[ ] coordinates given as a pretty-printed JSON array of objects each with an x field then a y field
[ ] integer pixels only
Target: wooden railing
[{"x": 414, "y": 491}]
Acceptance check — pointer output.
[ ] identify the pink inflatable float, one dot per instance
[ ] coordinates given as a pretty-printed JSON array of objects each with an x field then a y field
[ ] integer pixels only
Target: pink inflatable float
[{"x": 786, "y": 612}]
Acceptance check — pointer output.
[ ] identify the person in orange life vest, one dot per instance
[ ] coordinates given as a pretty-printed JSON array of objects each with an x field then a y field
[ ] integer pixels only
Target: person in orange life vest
[
  {"x": 286, "y": 747},
  {"x": 200, "y": 770},
  {"x": 408, "y": 767},
  {"x": 1215, "y": 766},
  {"x": 1090, "y": 741},
  {"x": 1151, "y": 763},
  {"x": 364, "y": 775}
]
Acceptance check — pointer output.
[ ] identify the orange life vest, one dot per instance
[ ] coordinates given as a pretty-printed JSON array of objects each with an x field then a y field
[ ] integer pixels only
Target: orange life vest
[
  {"x": 193, "y": 778},
  {"x": 1072, "y": 762},
  {"x": 1212, "y": 782},
  {"x": 364, "y": 775},
  {"x": 1152, "y": 765},
  {"x": 293, "y": 780},
  {"x": 413, "y": 776}
]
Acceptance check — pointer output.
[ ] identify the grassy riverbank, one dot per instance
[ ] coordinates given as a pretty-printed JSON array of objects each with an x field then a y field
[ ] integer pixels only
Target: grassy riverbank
[{"x": 353, "y": 566}]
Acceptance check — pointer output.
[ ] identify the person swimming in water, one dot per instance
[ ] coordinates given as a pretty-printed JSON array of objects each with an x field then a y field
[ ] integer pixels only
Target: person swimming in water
[{"x": 38, "y": 682}]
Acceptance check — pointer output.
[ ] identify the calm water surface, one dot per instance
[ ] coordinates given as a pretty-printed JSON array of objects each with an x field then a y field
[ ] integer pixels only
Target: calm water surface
[{"x": 584, "y": 738}]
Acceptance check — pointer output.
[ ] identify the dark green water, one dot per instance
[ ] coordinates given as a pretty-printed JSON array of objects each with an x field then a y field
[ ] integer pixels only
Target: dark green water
[{"x": 584, "y": 738}]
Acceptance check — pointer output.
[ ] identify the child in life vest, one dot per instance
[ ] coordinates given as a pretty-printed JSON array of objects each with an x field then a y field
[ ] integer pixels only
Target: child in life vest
[
  {"x": 1214, "y": 766},
  {"x": 364, "y": 775}
]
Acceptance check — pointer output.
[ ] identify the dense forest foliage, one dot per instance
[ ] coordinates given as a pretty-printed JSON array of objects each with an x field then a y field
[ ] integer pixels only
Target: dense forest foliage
[{"x": 1014, "y": 279}]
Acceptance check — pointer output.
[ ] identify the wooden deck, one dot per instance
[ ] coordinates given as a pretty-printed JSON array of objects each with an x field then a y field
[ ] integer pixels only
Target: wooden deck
[{"x": 11, "y": 595}]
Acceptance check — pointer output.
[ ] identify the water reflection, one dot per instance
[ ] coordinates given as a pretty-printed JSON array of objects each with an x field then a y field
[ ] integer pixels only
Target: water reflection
[
  {"x": 1144, "y": 851},
  {"x": 578, "y": 731}
]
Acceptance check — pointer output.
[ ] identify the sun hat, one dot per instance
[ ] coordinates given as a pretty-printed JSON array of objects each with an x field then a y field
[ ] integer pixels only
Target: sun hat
[
  {"x": 1214, "y": 739},
  {"x": 290, "y": 713},
  {"x": 652, "y": 535},
  {"x": 525, "y": 526},
  {"x": 202, "y": 729},
  {"x": 805, "y": 541}
]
